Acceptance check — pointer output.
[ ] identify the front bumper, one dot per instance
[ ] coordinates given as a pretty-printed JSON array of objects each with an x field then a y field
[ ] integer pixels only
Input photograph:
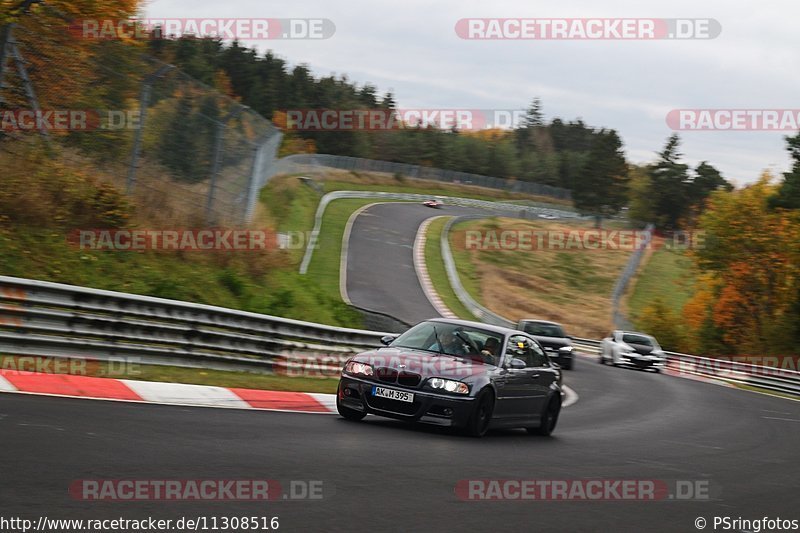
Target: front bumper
[
  {"x": 427, "y": 407},
  {"x": 563, "y": 358},
  {"x": 643, "y": 362}
]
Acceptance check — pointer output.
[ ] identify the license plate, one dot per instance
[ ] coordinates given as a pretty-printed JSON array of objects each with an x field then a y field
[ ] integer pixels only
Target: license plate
[{"x": 392, "y": 394}]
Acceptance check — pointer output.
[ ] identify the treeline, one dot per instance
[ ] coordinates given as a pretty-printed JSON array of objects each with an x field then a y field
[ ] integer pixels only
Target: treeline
[{"x": 557, "y": 152}]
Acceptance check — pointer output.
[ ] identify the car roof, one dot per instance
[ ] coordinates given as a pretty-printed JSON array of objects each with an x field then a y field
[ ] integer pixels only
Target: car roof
[
  {"x": 480, "y": 325},
  {"x": 539, "y": 321}
]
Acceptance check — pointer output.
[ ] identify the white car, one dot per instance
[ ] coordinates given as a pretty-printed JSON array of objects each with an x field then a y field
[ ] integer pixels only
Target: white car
[
  {"x": 629, "y": 348},
  {"x": 434, "y": 203}
]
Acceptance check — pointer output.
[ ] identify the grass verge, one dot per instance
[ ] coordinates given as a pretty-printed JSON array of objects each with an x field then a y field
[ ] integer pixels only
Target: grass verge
[
  {"x": 572, "y": 287},
  {"x": 666, "y": 276}
]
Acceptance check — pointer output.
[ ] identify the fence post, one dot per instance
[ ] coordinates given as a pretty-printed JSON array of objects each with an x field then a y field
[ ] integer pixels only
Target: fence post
[
  {"x": 267, "y": 147},
  {"x": 218, "y": 138},
  {"x": 5, "y": 45},
  {"x": 144, "y": 101}
]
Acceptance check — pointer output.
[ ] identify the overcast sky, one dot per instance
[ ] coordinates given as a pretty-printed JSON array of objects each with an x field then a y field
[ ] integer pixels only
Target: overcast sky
[{"x": 410, "y": 47}]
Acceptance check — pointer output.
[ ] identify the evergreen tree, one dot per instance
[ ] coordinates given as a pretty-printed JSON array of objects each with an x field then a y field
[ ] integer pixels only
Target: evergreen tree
[
  {"x": 602, "y": 188},
  {"x": 669, "y": 183},
  {"x": 788, "y": 196}
]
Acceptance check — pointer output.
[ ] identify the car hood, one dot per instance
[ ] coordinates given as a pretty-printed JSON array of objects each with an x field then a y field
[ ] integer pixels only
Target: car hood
[
  {"x": 427, "y": 364},
  {"x": 641, "y": 349}
]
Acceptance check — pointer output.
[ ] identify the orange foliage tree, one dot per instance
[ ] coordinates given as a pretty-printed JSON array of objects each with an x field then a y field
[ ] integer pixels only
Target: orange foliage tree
[{"x": 748, "y": 294}]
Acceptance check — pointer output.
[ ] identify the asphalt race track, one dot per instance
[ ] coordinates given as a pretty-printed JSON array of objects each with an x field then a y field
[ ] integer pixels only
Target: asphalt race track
[
  {"x": 383, "y": 475},
  {"x": 380, "y": 261}
]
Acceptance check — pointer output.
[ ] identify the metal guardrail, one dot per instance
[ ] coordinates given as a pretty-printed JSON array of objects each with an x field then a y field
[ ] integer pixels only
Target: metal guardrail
[
  {"x": 617, "y": 316},
  {"x": 762, "y": 377},
  {"x": 310, "y": 162},
  {"x": 54, "y": 320},
  {"x": 39, "y": 318},
  {"x": 480, "y": 312}
]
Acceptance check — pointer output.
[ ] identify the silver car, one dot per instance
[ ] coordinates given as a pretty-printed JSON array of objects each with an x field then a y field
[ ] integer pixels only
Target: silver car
[{"x": 629, "y": 348}]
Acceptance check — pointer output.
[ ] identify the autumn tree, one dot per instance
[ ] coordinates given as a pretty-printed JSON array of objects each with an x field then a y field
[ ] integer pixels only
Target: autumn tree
[{"x": 750, "y": 266}]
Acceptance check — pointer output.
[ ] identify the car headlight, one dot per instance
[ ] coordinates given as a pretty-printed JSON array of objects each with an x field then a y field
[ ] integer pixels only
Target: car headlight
[
  {"x": 449, "y": 385},
  {"x": 565, "y": 349},
  {"x": 354, "y": 367}
]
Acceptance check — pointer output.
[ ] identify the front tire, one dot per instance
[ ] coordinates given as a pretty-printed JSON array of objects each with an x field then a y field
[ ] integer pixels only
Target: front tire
[
  {"x": 478, "y": 423},
  {"x": 347, "y": 413},
  {"x": 549, "y": 419}
]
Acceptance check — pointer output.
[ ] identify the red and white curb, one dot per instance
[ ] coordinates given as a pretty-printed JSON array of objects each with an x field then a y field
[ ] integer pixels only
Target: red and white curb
[
  {"x": 422, "y": 270},
  {"x": 181, "y": 394}
]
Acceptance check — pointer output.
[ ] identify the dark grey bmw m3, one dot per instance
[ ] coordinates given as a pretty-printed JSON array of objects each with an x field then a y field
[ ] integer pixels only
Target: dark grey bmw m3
[{"x": 456, "y": 373}]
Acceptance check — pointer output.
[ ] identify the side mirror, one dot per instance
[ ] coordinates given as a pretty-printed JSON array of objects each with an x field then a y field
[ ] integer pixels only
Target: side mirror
[
  {"x": 517, "y": 364},
  {"x": 387, "y": 339}
]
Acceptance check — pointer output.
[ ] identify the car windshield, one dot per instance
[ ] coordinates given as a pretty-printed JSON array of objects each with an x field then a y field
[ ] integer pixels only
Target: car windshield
[
  {"x": 452, "y": 339},
  {"x": 543, "y": 329},
  {"x": 637, "y": 339}
]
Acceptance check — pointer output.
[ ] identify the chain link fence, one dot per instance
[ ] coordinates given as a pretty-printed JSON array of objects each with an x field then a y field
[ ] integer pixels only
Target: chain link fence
[
  {"x": 310, "y": 162},
  {"x": 178, "y": 147}
]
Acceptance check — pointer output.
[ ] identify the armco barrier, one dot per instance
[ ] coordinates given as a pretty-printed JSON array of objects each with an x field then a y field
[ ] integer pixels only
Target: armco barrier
[
  {"x": 480, "y": 312},
  {"x": 299, "y": 163},
  {"x": 762, "y": 377},
  {"x": 55, "y": 320},
  {"x": 617, "y": 316}
]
